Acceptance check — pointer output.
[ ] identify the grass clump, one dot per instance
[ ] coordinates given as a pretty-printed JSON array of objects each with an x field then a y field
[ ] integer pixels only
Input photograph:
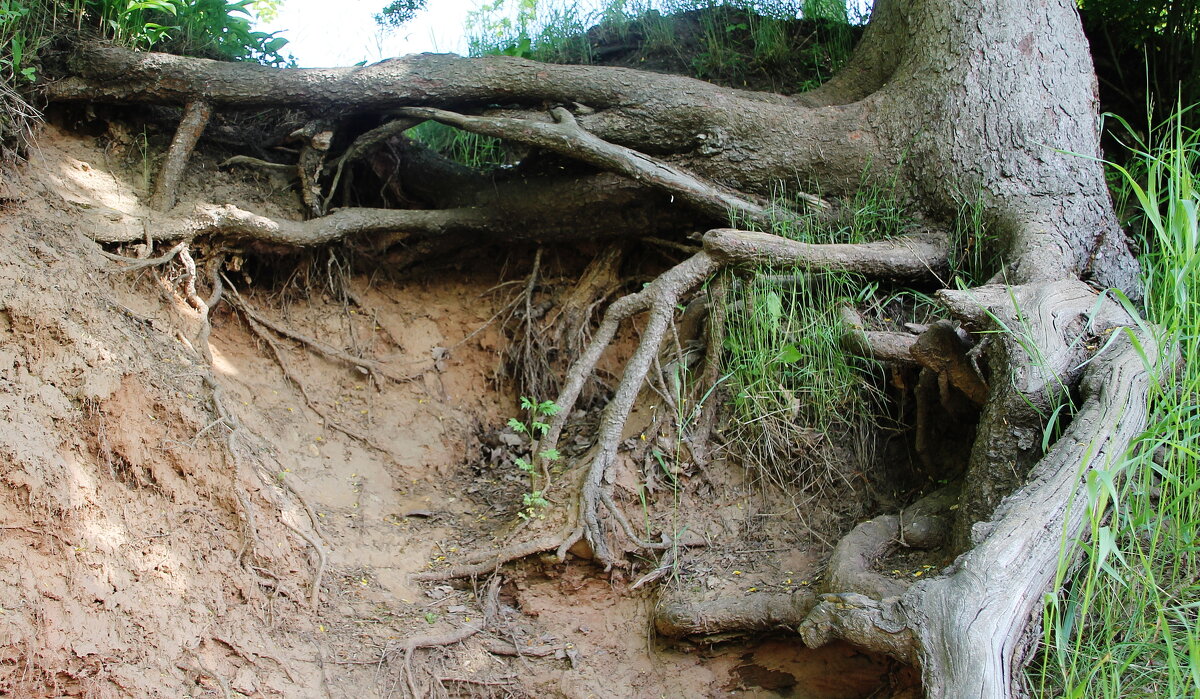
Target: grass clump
[
  {"x": 463, "y": 147},
  {"x": 794, "y": 392},
  {"x": 1124, "y": 623}
]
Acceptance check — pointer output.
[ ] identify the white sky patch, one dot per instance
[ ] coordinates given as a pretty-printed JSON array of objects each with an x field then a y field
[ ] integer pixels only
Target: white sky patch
[{"x": 324, "y": 34}]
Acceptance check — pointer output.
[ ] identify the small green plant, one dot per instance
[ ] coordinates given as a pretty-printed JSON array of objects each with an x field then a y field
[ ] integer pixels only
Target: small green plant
[
  {"x": 534, "y": 504},
  {"x": 534, "y": 426},
  {"x": 13, "y": 33}
]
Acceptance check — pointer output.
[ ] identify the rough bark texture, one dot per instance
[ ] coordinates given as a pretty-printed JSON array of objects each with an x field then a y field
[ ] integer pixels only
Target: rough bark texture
[{"x": 961, "y": 101}]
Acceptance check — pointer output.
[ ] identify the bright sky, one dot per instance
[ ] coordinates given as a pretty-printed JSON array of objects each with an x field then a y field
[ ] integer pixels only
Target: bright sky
[{"x": 325, "y": 33}]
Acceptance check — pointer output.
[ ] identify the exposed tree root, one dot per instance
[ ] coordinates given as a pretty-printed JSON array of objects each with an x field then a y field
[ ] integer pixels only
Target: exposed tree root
[
  {"x": 941, "y": 350},
  {"x": 888, "y": 347},
  {"x": 315, "y": 138},
  {"x": 314, "y": 594},
  {"x": 887, "y": 110},
  {"x": 132, "y": 264},
  {"x": 897, "y": 257},
  {"x": 528, "y": 354},
  {"x": 285, "y": 366},
  {"x": 567, "y": 138},
  {"x": 851, "y": 564},
  {"x": 863, "y": 621},
  {"x": 1047, "y": 332},
  {"x": 508, "y": 648},
  {"x": 919, "y": 257},
  {"x": 964, "y": 629},
  {"x": 706, "y": 396},
  {"x": 572, "y": 318},
  {"x": 363, "y": 146},
  {"x": 367, "y": 366},
  {"x": 730, "y": 614},
  {"x": 485, "y": 562},
  {"x": 195, "y": 118},
  {"x": 230, "y": 221},
  {"x": 258, "y": 163}
]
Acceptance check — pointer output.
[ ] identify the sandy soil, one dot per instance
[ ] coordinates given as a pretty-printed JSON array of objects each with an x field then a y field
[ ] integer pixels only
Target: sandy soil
[{"x": 140, "y": 556}]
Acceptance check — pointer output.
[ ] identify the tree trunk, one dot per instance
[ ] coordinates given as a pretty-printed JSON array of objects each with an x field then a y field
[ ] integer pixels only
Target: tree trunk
[{"x": 991, "y": 101}]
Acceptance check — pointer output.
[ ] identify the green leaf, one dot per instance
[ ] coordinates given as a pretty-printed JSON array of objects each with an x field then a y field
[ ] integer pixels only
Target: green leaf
[
  {"x": 516, "y": 425},
  {"x": 550, "y": 454},
  {"x": 790, "y": 355},
  {"x": 540, "y": 427},
  {"x": 773, "y": 306}
]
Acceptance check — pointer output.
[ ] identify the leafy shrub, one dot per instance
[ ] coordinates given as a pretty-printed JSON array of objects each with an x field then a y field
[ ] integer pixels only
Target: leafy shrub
[{"x": 208, "y": 28}]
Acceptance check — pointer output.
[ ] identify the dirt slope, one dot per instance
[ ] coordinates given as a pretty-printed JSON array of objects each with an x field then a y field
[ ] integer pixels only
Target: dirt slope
[{"x": 141, "y": 556}]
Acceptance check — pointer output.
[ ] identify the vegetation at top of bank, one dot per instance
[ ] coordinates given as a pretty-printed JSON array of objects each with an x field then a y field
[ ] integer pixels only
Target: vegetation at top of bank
[{"x": 218, "y": 29}]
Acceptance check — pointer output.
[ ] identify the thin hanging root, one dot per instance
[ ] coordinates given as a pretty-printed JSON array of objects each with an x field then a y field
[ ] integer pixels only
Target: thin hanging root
[
  {"x": 572, "y": 318},
  {"x": 530, "y": 367},
  {"x": 375, "y": 369},
  {"x": 251, "y": 542},
  {"x": 314, "y": 595},
  {"x": 284, "y": 366},
  {"x": 195, "y": 118},
  {"x": 445, "y": 639},
  {"x": 702, "y": 427},
  {"x": 218, "y": 290}
]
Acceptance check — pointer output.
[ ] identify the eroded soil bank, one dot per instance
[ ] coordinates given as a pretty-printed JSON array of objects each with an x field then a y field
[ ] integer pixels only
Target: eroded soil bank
[{"x": 149, "y": 547}]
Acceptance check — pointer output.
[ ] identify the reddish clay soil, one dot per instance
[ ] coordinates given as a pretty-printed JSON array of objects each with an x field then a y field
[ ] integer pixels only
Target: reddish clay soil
[{"x": 141, "y": 556}]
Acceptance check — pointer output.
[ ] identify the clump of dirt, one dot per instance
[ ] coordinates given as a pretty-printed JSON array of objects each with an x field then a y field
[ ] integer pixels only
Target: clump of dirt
[{"x": 170, "y": 527}]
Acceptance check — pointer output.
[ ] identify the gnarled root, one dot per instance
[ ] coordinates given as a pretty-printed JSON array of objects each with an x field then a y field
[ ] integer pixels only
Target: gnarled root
[{"x": 965, "y": 629}]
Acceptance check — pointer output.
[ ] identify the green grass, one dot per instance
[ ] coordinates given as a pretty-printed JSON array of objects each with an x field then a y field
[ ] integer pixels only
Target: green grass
[
  {"x": 727, "y": 41},
  {"x": 464, "y": 147},
  {"x": 790, "y": 383},
  {"x": 1125, "y": 621}
]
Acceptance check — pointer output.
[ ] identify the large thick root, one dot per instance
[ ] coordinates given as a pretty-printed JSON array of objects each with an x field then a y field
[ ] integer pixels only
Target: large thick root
[{"x": 967, "y": 630}]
